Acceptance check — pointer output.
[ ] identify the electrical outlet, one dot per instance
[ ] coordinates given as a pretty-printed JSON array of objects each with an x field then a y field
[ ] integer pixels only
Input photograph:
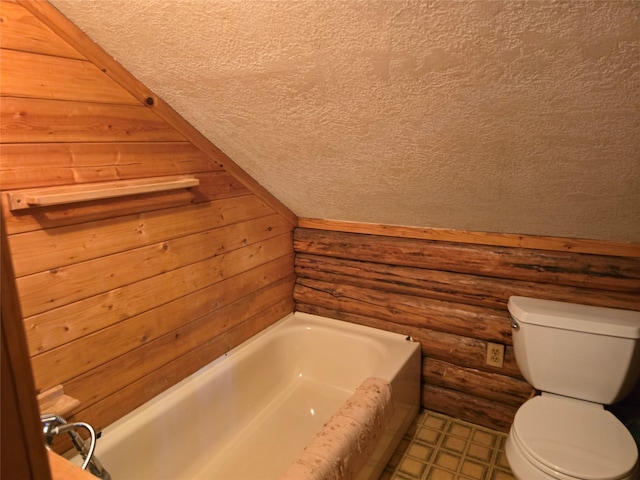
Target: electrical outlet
[{"x": 495, "y": 354}]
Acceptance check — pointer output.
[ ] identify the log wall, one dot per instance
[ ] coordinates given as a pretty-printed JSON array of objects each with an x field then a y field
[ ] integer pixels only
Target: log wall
[
  {"x": 122, "y": 298},
  {"x": 451, "y": 297}
]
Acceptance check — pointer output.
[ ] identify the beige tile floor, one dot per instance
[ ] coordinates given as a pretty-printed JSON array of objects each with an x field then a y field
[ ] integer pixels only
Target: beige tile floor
[{"x": 438, "y": 447}]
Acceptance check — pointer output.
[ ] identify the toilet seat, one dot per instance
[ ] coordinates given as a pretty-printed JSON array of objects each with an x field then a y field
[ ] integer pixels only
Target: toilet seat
[{"x": 573, "y": 438}]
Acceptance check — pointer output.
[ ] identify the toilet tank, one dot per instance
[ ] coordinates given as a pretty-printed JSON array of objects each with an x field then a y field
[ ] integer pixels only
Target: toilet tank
[{"x": 580, "y": 351}]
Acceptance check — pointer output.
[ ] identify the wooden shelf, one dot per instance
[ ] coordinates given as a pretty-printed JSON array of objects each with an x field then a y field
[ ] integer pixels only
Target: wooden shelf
[
  {"x": 56, "y": 401},
  {"x": 49, "y": 196}
]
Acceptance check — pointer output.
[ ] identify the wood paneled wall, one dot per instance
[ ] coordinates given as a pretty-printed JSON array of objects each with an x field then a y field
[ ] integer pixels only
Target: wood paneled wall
[
  {"x": 122, "y": 298},
  {"x": 451, "y": 297}
]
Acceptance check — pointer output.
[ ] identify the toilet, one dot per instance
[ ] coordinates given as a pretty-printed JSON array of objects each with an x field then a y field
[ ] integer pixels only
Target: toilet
[{"x": 580, "y": 358}]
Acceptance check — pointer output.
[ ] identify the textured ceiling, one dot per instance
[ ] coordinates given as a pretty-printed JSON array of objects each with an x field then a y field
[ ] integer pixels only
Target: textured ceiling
[{"x": 496, "y": 116}]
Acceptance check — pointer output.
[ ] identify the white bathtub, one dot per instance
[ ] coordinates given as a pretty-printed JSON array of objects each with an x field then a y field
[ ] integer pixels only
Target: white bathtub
[{"x": 248, "y": 414}]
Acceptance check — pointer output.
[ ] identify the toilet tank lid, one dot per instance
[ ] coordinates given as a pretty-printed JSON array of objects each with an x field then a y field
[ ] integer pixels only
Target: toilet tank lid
[{"x": 570, "y": 316}]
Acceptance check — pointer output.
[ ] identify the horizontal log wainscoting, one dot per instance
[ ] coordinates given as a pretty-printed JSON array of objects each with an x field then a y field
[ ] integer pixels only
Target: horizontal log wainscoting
[
  {"x": 451, "y": 297},
  {"x": 123, "y": 296}
]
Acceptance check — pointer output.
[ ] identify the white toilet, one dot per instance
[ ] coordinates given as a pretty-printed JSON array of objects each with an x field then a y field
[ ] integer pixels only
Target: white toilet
[{"x": 581, "y": 358}]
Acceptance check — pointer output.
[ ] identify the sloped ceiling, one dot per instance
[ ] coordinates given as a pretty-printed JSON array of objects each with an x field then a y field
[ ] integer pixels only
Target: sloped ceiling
[{"x": 496, "y": 116}]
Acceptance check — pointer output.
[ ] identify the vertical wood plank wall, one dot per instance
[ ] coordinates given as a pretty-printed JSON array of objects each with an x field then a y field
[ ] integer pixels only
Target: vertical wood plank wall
[
  {"x": 451, "y": 297},
  {"x": 123, "y": 298}
]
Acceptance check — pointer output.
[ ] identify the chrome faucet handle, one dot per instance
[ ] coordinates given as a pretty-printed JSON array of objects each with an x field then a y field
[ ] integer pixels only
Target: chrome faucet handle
[{"x": 49, "y": 422}]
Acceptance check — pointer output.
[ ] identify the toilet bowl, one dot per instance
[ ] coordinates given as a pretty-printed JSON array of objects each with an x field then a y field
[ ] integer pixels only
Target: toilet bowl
[
  {"x": 581, "y": 358},
  {"x": 554, "y": 437}
]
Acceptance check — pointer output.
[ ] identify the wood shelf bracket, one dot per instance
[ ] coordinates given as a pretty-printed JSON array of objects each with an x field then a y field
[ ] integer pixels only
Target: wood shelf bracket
[
  {"x": 50, "y": 196},
  {"x": 56, "y": 401}
]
